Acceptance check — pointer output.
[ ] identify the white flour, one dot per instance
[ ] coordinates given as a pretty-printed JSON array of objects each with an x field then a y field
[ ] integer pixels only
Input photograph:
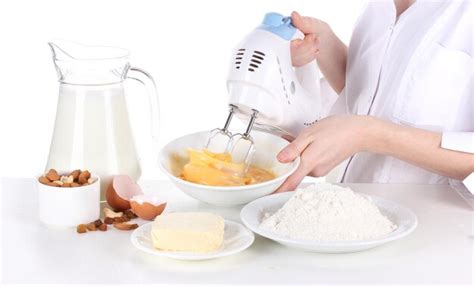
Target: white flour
[{"x": 328, "y": 212}]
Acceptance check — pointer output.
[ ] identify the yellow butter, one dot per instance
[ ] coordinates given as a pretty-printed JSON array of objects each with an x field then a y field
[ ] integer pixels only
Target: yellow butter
[{"x": 188, "y": 231}]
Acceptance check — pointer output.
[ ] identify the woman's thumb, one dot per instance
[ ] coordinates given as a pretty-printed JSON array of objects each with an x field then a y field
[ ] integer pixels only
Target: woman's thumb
[{"x": 300, "y": 23}]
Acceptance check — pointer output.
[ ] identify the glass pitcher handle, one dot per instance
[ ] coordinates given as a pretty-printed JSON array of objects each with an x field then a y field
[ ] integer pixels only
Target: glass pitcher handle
[{"x": 147, "y": 80}]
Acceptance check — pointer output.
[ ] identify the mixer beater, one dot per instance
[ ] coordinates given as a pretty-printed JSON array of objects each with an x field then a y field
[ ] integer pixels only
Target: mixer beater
[
  {"x": 243, "y": 146},
  {"x": 240, "y": 146},
  {"x": 220, "y": 139}
]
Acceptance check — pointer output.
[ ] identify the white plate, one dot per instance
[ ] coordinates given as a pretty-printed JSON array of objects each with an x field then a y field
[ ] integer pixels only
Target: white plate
[
  {"x": 236, "y": 239},
  {"x": 253, "y": 212}
]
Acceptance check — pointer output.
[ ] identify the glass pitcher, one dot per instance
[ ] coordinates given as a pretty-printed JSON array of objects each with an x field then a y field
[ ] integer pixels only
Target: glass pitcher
[{"x": 92, "y": 128}]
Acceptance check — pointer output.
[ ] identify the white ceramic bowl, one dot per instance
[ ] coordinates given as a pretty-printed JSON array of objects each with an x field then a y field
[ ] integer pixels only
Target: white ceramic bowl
[
  {"x": 68, "y": 207},
  {"x": 267, "y": 147}
]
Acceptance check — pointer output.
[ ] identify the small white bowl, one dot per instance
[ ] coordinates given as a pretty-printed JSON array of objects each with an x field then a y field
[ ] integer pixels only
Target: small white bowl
[
  {"x": 267, "y": 147},
  {"x": 68, "y": 207}
]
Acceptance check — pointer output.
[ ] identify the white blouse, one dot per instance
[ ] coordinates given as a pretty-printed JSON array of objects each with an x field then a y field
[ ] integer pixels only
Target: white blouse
[{"x": 416, "y": 70}]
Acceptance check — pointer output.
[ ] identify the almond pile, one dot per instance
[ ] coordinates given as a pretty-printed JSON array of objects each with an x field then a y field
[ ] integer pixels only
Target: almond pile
[
  {"x": 118, "y": 219},
  {"x": 76, "y": 178},
  {"x": 93, "y": 226}
]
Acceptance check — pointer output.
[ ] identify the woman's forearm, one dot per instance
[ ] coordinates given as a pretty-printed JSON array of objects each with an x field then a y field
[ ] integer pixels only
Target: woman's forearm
[
  {"x": 332, "y": 57},
  {"x": 417, "y": 146}
]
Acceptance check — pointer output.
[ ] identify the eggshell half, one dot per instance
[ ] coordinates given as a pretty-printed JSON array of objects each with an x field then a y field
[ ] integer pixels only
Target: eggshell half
[
  {"x": 145, "y": 208},
  {"x": 120, "y": 191}
]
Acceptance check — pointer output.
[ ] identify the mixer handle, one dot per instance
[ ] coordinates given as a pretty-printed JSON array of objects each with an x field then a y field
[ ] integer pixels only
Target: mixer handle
[{"x": 149, "y": 83}]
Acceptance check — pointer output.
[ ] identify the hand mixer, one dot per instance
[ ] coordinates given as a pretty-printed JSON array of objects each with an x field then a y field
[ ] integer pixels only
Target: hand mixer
[{"x": 266, "y": 90}]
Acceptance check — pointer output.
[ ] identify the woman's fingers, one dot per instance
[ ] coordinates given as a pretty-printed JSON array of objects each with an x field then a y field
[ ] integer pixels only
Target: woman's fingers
[
  {"x": 303, "y": 24},
  {"x": 316, "y": 45},
  {"x": 304, "y": 51},
  {"x": 307, "y": 50},
  {"x": 288, "y": 138},
  {"x": 289, "y": 153},
  {"x": 310, "y": 45},
  {"x": 295, "y": 44},
  {"x": 295, "y": 47},
  {"x": 291, "y": 182},
  {"x": 294, "y": 149},
  {"x": 298, "y": 22},
  {"x": 295, "y": 179}
]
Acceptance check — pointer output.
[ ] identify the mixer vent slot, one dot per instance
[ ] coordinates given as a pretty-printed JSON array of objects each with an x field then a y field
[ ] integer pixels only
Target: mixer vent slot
[
  {"x": 310, "y": 123},
  {"x": 239, "y": 57},
  {"x": 283, "y": 81},
  {"x": 256, "y": 60}
]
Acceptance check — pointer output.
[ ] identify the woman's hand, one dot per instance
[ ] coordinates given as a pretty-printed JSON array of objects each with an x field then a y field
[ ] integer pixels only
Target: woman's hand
[
  {"x": 323, "y": 146},
  {"x": 322, "y": 44},
  {"x": 306, "y": 50},
  {"x": 333, "y": 139}
]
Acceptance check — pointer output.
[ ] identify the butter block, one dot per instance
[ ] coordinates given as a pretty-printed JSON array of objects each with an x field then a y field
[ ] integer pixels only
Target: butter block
[{"x": 188, "y": 231}]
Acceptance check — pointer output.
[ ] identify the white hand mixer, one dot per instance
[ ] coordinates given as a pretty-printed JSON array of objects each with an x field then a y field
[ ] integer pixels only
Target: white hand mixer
[{"x": 266, "y": 90}]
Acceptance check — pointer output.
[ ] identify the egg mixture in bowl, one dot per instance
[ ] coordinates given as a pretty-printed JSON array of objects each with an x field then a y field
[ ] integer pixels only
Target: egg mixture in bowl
[
  {"x": 213, "y": 186},
  {"x": 217, "y": 169}
]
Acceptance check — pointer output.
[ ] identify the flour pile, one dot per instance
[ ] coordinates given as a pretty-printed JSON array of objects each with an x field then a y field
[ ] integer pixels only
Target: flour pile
[{"x": 327, "y": 212}]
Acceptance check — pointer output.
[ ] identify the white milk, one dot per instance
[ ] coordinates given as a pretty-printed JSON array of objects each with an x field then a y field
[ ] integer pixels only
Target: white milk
[{"x": 92, "y": 131}]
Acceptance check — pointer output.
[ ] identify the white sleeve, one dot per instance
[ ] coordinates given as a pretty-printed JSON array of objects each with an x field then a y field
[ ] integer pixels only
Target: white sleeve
[
  {"x": 465, "y": 188},
  {"x": 469, "y": 183},
  {"x": 458, "y": 141}
]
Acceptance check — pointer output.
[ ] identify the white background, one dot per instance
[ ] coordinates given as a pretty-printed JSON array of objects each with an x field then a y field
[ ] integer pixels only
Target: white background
[{"x": 185, "y": 45}]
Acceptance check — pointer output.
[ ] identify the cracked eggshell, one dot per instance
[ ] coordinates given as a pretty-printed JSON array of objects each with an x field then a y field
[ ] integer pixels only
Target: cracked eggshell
[
  {"x": 147, "y": 206},
  {"x": 120, "y": 191}
]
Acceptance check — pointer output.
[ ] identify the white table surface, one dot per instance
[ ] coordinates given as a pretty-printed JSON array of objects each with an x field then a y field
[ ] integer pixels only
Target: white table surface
[{"x": 440, "y": 250}]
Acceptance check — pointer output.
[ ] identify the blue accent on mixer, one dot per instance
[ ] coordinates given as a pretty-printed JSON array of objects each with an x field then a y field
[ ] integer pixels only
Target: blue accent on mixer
[{"x": 279, "y": 25}]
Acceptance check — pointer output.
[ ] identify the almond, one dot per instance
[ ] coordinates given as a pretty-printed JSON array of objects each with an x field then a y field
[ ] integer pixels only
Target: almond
[
  {"x": 103, "y": 227},
  {"x": 108, "y": 220},
  {"x": 97, "y": 222},
  {"x": 125, "y": 226},
  {"x": 82, "y": 228},
  {"x": 91, "y": 227},
  {"x": 75, "y": 185},
  {"x": 130, "y": 214},
  {"x": 120, "y": 219},
  {"x": 44, "y": 180},
  {"x": 70, "y": 179},
  {"x": 58, "y": 183},
  {"x": 52, "y": 175},
  {"x": 75, "y": 174},
  {"x": 110, "y": 213},
  {"x": 83, "y": 177}
]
